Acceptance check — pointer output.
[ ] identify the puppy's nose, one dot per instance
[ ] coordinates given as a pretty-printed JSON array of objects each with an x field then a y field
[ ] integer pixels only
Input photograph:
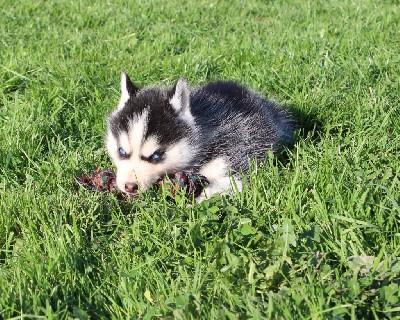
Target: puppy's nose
[{"x": 131, "y": 187}]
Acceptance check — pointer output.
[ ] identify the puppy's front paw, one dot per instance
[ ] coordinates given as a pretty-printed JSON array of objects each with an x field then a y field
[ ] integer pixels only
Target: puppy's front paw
[{"x": 192, "y": 183}]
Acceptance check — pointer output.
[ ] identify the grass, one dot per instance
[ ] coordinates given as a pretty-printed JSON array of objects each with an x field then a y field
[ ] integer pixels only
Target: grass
[{"x": 316, "y": 234}]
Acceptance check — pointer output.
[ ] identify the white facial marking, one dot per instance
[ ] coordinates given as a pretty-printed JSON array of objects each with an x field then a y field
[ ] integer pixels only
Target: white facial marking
[
  {"x": 150, "y": 146},
  {"x": 137, "y": 131},
  {"x": 112, "y": 145},
  {"x": 181, "y": 153},
  {"x": 124, "y": 143}
]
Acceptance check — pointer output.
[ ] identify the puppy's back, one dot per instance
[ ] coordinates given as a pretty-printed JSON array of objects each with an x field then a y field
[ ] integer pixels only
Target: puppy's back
[{"x": 238, "y": 123}]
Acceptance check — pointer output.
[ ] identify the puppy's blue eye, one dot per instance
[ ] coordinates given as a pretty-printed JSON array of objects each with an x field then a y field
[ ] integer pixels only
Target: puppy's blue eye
[
  {"x": 122, "y": 153},
  {"x": 156, "y": 156}
]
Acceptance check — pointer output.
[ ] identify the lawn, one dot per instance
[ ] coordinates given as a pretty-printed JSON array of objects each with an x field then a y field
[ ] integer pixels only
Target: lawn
[{"x": 315, "y": 233}]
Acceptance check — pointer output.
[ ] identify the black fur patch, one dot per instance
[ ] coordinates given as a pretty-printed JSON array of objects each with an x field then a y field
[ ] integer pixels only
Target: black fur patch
[{"x": 162, "y": 120}]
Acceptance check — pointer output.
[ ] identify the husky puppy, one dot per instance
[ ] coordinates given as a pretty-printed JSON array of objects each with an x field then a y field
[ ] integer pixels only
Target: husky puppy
[{"x": 213, "y": 130}]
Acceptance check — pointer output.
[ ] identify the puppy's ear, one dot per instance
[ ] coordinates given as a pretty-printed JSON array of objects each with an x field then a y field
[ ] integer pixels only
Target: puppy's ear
[
  {"x": 180, "y": 97},
  {"x": 128, "y": 89},
  {"x": 180, "y": 101}
]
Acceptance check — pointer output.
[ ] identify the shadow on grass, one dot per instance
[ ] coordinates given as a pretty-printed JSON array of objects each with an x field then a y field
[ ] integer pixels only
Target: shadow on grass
[{"x": 307, "y": 123}]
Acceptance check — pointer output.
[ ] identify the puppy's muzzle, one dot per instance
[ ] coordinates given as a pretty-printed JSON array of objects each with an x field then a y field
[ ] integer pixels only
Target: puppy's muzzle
[{"x": 131, "y": 187}]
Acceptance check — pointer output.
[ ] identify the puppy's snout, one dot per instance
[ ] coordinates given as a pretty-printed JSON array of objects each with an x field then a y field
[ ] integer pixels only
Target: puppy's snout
[{"x": 131, "y": 187}]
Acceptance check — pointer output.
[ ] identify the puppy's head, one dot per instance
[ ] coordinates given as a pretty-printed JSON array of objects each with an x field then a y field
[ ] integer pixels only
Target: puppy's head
[{"x": 149, "y": 134}]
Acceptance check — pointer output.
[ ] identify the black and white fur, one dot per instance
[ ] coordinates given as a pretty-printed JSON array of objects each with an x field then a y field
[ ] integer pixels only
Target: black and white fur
[{"x": 214, "y": 130}]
